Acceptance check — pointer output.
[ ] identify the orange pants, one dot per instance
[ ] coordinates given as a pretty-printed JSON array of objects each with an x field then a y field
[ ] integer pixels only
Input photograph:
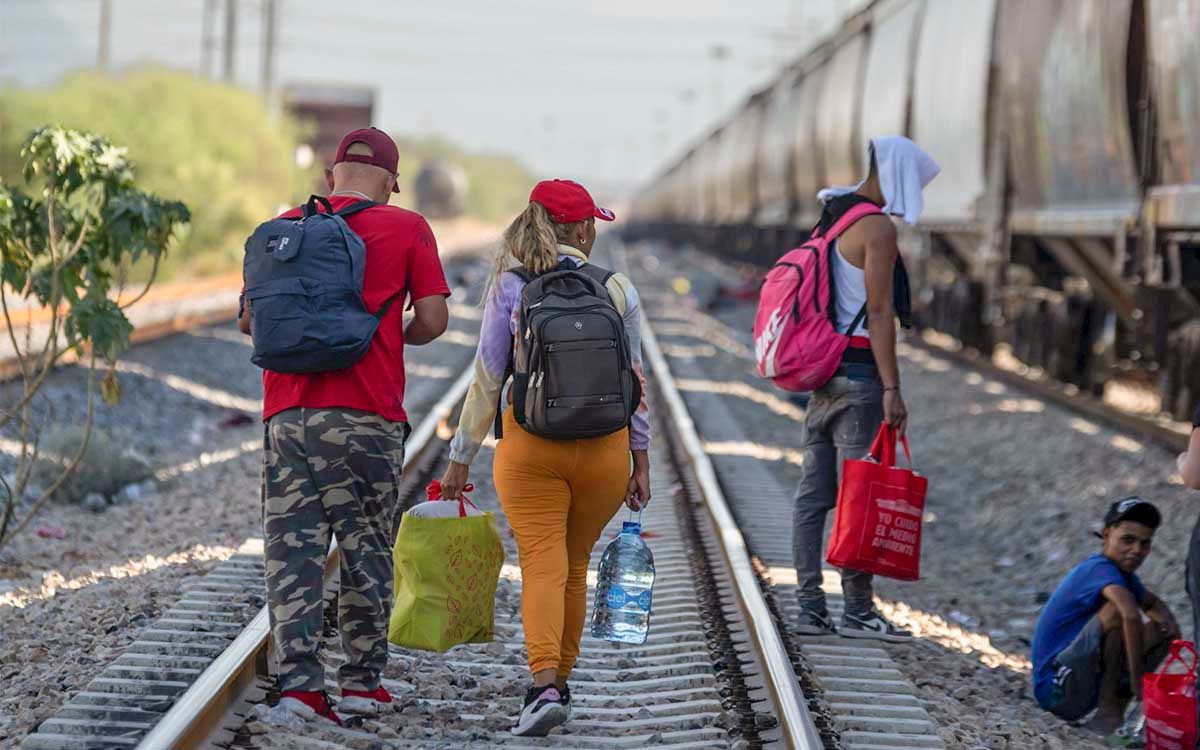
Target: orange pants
[{"x": 558, "y": 495}]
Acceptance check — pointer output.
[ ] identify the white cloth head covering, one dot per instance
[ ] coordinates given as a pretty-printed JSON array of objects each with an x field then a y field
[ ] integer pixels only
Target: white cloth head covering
[{"x": 904, "y": 171}]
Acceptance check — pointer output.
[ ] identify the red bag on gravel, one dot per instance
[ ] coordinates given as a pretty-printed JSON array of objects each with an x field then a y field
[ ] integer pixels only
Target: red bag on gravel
[
  {"x": 1169, "y": 701},
  {"x": 877, "y": 524}
]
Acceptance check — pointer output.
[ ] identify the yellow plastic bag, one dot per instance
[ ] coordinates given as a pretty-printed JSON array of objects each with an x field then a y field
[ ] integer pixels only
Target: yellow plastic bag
[{"x": 445, "y": 575}]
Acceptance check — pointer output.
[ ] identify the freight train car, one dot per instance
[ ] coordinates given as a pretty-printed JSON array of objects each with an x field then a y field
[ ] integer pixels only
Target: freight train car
[{"x": 1066, "y": 220}]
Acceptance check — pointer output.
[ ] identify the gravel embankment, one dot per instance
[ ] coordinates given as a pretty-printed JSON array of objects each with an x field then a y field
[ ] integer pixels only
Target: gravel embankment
[
  {"x": 1016, "y": 487},
  {"x": 190, "y": 405}
]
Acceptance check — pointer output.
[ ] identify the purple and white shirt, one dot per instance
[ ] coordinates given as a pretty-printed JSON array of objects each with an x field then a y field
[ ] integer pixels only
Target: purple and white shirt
[{"x": 497, "y": 343}]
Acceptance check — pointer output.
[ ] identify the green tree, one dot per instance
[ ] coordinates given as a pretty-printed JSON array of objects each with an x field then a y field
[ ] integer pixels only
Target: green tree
[
  {"x": 67, "y": 242},
  {"x": 212, "y": 146}
]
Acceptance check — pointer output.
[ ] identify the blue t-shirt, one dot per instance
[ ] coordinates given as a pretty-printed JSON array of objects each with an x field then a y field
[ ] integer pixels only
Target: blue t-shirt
[{"x": 1075, "y": 601}]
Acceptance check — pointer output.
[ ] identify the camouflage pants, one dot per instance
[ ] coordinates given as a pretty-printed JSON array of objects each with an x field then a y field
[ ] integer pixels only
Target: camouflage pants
[{"x": 330, "y": 471}]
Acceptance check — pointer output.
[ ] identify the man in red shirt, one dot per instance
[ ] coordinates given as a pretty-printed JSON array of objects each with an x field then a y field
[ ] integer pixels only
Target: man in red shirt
[{"x": 333, "y": 451}]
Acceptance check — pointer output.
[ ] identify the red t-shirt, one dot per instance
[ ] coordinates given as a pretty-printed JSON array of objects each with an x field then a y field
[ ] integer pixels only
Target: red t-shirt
[{"x": 401, "y": 257}]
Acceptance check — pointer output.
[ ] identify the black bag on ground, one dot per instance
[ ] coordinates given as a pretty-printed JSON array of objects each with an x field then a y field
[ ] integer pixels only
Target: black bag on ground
[
  {"x": 304, "y": 291},
  {"x": 572, "y": 372}
]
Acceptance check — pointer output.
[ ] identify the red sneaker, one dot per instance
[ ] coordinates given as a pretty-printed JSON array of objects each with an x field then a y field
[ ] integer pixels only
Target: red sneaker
[
  {"x": 363, "y": 702},
  {"x": 308, "y": 704}
]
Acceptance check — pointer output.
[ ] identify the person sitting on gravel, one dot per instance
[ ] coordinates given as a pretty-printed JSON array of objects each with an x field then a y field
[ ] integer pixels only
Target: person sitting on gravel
[
  {"x": 333, "y": 450},
  {"x": 557, "y": 494},
  {"x": 1092, "y": 643},
  {"x": 844, "y": 414}
]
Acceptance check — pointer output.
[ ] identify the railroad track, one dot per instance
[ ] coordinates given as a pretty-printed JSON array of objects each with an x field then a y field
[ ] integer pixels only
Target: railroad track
[
  {"x": 716, "y": 671},
  {"x": 1171, "y": 435},
  {"x": 720, "y": 668}
]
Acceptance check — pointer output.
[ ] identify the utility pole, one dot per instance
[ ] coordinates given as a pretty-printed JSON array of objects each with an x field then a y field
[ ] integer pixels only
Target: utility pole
[
  {"x": 268, "y": 51},
  {"x": 230, "y": 40},
  {"x": 103, "y": 52},
  {"x": 208, "y": 42}
]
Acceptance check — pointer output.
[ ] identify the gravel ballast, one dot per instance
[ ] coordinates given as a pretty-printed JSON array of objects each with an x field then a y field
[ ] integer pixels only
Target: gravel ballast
[
  {"x": 1016, "y": 488},
  {"x": 77, "y": 586}
]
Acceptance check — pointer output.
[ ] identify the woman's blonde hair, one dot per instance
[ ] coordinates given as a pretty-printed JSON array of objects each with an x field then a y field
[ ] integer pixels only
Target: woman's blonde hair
[{"x": 531, "y": 241}]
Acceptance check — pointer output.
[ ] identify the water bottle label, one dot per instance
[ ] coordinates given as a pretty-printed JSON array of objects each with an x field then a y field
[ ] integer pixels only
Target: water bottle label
[
  {"x": 643, "y": 600},
  {"x": 616, "y": 598}
]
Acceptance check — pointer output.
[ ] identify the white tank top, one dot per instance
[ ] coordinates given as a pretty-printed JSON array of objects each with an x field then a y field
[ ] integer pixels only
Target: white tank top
[{"x": 850, "y": 285}]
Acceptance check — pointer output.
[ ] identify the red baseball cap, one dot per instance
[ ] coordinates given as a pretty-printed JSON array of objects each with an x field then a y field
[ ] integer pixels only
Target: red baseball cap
[
  {"x": 383, "y": 150},
  {"x": 567, "y": 202}
]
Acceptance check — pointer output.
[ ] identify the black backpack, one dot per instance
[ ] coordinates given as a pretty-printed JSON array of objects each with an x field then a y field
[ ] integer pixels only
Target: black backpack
[
  {"x": 304, "y": 283},
  {"x": 572, "y": 373}
]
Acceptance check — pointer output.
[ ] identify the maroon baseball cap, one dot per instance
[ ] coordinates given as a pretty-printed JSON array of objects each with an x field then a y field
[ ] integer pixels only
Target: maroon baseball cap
[
  {"x": 383, "y": 150},
  {"x": 567, "y": 202}
]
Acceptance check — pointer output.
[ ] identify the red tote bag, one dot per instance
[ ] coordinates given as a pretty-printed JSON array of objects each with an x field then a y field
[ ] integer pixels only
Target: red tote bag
[
  {"x": 877, "y": 525},
  {"x": 1169, "y": 700}
]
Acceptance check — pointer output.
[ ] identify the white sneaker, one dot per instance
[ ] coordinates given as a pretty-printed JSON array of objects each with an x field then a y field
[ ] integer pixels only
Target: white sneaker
[
  {"x": 874, "y": 626},
  {"x": 544, "y": 710}
]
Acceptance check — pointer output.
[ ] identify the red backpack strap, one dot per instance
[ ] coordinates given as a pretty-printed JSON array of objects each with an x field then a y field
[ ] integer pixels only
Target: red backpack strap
[{"x": 856, "y": 212}]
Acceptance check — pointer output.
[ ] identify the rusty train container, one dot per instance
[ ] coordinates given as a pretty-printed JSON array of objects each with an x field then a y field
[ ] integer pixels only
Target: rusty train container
[{"x": 1066, "y": 220}]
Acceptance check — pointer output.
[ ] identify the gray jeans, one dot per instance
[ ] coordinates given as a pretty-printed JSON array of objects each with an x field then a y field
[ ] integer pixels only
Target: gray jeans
[{"x": 843, "y": 417}]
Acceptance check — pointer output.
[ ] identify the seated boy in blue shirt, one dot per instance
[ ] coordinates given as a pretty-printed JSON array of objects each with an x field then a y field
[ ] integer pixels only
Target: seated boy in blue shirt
[{"x": 1091, "y": 641}]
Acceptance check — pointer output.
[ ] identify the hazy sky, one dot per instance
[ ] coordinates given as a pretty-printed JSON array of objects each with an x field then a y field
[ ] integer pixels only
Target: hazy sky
[{"x": 592, "y": 90}]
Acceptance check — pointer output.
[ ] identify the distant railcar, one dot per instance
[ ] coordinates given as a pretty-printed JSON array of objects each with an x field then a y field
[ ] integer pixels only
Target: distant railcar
[
  {"x": 441, "y": 190},
  {"x": 1066, "y": 220},
  {"x": 329, "y": 112}
]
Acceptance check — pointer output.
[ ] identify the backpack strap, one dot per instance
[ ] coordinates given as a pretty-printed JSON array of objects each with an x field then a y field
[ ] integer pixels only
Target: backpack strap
[
  {"x": 847, "y": 219},
  {"x": 310, "y": 208},
  {"x": 844, "y": 222},
  {"x": 600, "y": 275},
  {"x": 523, "y": 274},
  {"x": 354, "y": 208},
  {"x": 387, "y": 303},
  {"x": 498, "y": 425}
]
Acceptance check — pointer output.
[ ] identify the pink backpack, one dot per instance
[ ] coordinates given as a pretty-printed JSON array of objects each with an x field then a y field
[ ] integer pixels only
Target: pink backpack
[{"x": 795, "y": 341}]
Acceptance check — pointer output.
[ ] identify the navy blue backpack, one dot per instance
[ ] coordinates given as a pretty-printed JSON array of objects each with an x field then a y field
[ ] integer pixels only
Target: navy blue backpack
[{"x": 304, "y": 290}]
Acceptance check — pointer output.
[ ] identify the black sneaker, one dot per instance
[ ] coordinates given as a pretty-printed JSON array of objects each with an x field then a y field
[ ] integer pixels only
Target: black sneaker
[
  {"x": 566, "y": 699},
  {"x": 544, "y": 709},
  {"x": 874, "y": 626},
  {"x": 812, "y": 622}
]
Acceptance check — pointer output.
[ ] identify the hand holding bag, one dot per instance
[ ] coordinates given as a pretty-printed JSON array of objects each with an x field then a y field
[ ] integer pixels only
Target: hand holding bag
[
  {"x": 877, "y": 524},
  {"x": 1169, "y": 701},
  {"x": 446, "y": 564}
]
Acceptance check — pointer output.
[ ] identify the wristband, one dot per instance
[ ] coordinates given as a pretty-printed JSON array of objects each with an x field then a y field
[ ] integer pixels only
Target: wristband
[{"x": 893, "y": 388}]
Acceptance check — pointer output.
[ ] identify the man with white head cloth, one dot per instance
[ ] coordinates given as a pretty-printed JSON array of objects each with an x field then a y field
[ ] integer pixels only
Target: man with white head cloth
[{"x": 870, "y": 289}]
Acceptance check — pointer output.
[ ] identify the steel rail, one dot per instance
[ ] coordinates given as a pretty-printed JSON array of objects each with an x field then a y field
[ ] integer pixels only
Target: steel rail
[
  {"x": 1058, "y": 393},
  {"x": 10, "y": 367},
  {"x": 799, "y": 731},
  {"x": 196, "y": 715}
]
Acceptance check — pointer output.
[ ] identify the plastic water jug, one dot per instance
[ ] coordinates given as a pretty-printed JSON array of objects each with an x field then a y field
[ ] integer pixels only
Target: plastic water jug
[{"x": 621, "y": 610}]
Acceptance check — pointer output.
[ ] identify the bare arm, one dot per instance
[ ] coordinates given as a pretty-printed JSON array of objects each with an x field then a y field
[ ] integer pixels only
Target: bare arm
[
  {"x": 1156, "y": 609},
  {"x": 430, "y": 317},
  {"x": 1189, "y": 463},
  {"x": 879, "y": 239},
  {"x": 244, "y": 318},
  {"x": 1131, "y": 628}
]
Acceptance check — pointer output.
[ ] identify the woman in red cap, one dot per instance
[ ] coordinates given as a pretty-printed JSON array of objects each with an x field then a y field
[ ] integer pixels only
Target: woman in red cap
[{"x": 558, "y": 495}]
